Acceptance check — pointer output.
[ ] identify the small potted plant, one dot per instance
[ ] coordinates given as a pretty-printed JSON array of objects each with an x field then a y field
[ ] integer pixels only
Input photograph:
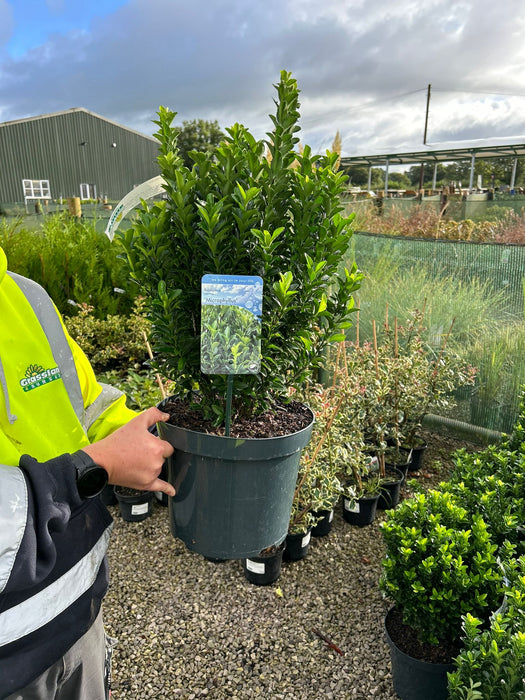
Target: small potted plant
[
  {"x": 440, "y": 565},
  {"x": 371, "y": 417},
  {"x": 492, "y": 660},
  {"x": 242, "y": 212},
  {"x": 425, "y": 379}
]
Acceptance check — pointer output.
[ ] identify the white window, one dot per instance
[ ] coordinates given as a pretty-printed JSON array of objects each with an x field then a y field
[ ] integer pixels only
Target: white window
[
  {"x": 36, "y": 189},
  {"x": 87, "y": 191}
]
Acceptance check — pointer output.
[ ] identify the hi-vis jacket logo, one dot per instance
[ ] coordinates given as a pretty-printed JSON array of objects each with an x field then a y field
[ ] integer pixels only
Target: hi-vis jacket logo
[{"x": 36, "y": 375}]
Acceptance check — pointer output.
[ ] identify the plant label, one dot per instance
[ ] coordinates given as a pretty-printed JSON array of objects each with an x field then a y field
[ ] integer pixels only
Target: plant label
[{"x": 231, "y": 309}]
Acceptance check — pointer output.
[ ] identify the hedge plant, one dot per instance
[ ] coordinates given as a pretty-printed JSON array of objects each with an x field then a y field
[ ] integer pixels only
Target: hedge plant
[{"x": 254, "y": 208}]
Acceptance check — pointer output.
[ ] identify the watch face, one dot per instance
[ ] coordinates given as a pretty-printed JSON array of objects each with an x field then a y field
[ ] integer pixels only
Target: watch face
[{"x": 91, "y": 482}]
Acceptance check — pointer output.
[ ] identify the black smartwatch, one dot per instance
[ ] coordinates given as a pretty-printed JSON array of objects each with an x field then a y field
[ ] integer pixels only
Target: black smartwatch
[{"x": 91, "y": 477}]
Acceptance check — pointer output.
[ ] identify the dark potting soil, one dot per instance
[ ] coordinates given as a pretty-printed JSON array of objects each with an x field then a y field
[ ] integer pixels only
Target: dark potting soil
[
  {"x": 284, "y": 419},
  {"x": 127, "y": 492},
  {"x": 405, "y": 638}
]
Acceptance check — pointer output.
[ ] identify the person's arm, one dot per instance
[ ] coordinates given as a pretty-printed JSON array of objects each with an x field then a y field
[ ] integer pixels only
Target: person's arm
[{"x": 39, "y": 499}]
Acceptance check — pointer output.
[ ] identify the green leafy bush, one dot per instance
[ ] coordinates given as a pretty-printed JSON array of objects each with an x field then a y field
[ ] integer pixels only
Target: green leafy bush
[
  {"x": 491, "y": 664},
  {"x": 75, "y": 263},
  {"x": 140, "y": 386},
  {"x": 240, "y": 212},
  {"x": 440, "y": 564},
  {"x": 491, "y": 483},
  {"x": 115, "y": 342}
]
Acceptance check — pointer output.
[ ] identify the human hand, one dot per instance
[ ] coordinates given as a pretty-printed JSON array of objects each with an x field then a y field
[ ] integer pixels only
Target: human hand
[{"x": 132, "y": 456}]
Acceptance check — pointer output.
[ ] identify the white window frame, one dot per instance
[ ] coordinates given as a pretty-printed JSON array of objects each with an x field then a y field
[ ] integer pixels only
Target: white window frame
[
  {"x": 35, "y": 189},
  {"x": 87, "y": 191}
]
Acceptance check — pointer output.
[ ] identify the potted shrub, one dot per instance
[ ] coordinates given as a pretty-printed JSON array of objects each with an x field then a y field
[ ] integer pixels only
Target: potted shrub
[
  {"x": 492, "y": 660},
  {"x": 440, "y": 565},
  {"x": 318, "y": 486},
  {"x": 491, "y": 482},
  {"x": 425, "y": 379},
  {"x": 370, "y": 419},
  {"x": 241, "y": 212}
]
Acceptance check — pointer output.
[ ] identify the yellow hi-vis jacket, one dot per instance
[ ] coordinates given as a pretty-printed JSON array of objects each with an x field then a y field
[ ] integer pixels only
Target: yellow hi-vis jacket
[
  {"x": 53, "y": 570},
  {"x": 50, "y": 400}
]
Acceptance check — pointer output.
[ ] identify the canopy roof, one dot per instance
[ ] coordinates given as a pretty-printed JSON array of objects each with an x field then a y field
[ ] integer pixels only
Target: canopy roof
[{"x": 446, "y": 152}]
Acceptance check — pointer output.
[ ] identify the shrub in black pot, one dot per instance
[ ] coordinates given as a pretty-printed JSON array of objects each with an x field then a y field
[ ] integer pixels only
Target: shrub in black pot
[
  {"x": 440, "y": 565},
  {"x": 256, "y": 208}
]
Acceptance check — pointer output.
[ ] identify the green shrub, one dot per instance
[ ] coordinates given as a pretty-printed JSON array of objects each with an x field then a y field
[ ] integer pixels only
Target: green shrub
[
  {"x": 116, "y": 342},
  {"x": 491, "y": 483},
  {"x": 440, "y": 564},
  {"x": 492, "y": 662},
  {"x": 75, "y": 263},
  {"x": 243, "y": 213},
  {"x": 140, "y": 386}
]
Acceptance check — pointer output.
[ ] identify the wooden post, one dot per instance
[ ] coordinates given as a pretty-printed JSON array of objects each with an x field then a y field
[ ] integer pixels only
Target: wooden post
[{"x": 74, "y": 208}]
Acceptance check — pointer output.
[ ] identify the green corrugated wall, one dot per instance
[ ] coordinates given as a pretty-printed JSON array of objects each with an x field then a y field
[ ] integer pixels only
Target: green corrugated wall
[{"x": 49, "y": 148}]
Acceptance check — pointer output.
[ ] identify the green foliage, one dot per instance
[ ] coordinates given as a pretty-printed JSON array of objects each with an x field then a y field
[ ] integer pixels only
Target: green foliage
[
  {"x": 116, "y": 342},
  {"x": 141, "y": 387},
  {"x": 473, "y": 305},
  {"x": 243, "y": 213},
  {"x": 491, "y": 483},
  {"x": 75, "y": 263},
  {"x": 227, "y": 341},
  {"x": 490, "y": 666},
  {"x": 501, "y": 369},
  {"x": 318, "y": 484},
  {"x": 440, "y": 564}
]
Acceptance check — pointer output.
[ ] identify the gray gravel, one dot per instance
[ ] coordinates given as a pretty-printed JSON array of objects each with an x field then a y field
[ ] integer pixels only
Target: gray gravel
[{"x": 189, "y": 628}]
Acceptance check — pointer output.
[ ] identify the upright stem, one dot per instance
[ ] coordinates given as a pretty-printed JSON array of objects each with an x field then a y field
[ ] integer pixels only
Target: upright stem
[
  {"x": 229, "y": 392},
  {"x": 376, "y": 359}
]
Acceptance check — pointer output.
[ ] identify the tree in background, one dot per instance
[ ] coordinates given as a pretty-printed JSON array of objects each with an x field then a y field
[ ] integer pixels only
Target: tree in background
[
  {"x": 198, "y": 135},
  {"x": 358, "y": 175}
]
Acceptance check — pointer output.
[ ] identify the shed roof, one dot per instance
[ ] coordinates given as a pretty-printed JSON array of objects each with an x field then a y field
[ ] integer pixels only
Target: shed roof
[
  {"x": 72, "y": 111},
  {"x": 445, "y": 152}
]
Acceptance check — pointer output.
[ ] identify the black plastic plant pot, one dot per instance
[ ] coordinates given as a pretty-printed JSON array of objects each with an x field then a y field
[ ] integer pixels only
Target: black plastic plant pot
[
  {"x": 414, "y": 679},
  {"x": 234, "y": 496},
  {"x": 323, "y": 526},
  {"x": 297, "y": 546},
  {"x": 264, "y": 570},
  {"x": 134, "y": 505},
  {"x": 361, "y": 511},
  {"x": 417, "y": 455},
  {"x": 390, "y": 489}
]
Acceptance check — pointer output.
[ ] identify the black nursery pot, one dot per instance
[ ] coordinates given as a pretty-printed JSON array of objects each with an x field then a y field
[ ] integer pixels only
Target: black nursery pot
[
  {"x": 414, "y": 679},
  {"x": 134, "y": 505},
  {"x": 264, "y": 570},
  {"x": 417, "y": 455},
  {"x": 233, "y": 496},
  {"x": 360, "y": 512},
  {"x": 297, "y": 546},
  {"x": 107, "y": 495},
  {"x": 323, "y": 526},
  {"x": 390, "y": 489}
]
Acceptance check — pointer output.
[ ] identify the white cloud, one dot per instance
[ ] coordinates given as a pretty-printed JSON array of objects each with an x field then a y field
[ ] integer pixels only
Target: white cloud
[{"x": 362, "y": 67}]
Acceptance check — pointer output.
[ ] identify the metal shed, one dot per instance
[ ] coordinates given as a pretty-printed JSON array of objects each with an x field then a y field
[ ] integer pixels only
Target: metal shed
[{"x": 74, "y": 153}]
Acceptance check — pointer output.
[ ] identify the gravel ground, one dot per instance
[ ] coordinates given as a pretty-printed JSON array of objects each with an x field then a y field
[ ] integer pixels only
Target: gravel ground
[{"x": 190, "y": 628}]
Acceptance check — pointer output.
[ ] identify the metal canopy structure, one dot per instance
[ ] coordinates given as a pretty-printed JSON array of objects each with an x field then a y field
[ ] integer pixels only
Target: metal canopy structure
[{"x": 445, "y": 152}]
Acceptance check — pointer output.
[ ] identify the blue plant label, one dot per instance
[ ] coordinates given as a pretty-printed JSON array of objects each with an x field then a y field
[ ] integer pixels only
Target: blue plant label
[{"x": 231, "y": 310}]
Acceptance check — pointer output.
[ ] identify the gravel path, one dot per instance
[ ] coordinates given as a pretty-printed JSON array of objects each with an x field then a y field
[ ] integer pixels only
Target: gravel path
[{"x": 190, "y": 628}]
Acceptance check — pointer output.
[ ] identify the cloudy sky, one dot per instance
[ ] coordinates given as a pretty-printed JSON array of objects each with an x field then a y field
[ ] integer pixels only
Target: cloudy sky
[{"x": 363, "y": 66}]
